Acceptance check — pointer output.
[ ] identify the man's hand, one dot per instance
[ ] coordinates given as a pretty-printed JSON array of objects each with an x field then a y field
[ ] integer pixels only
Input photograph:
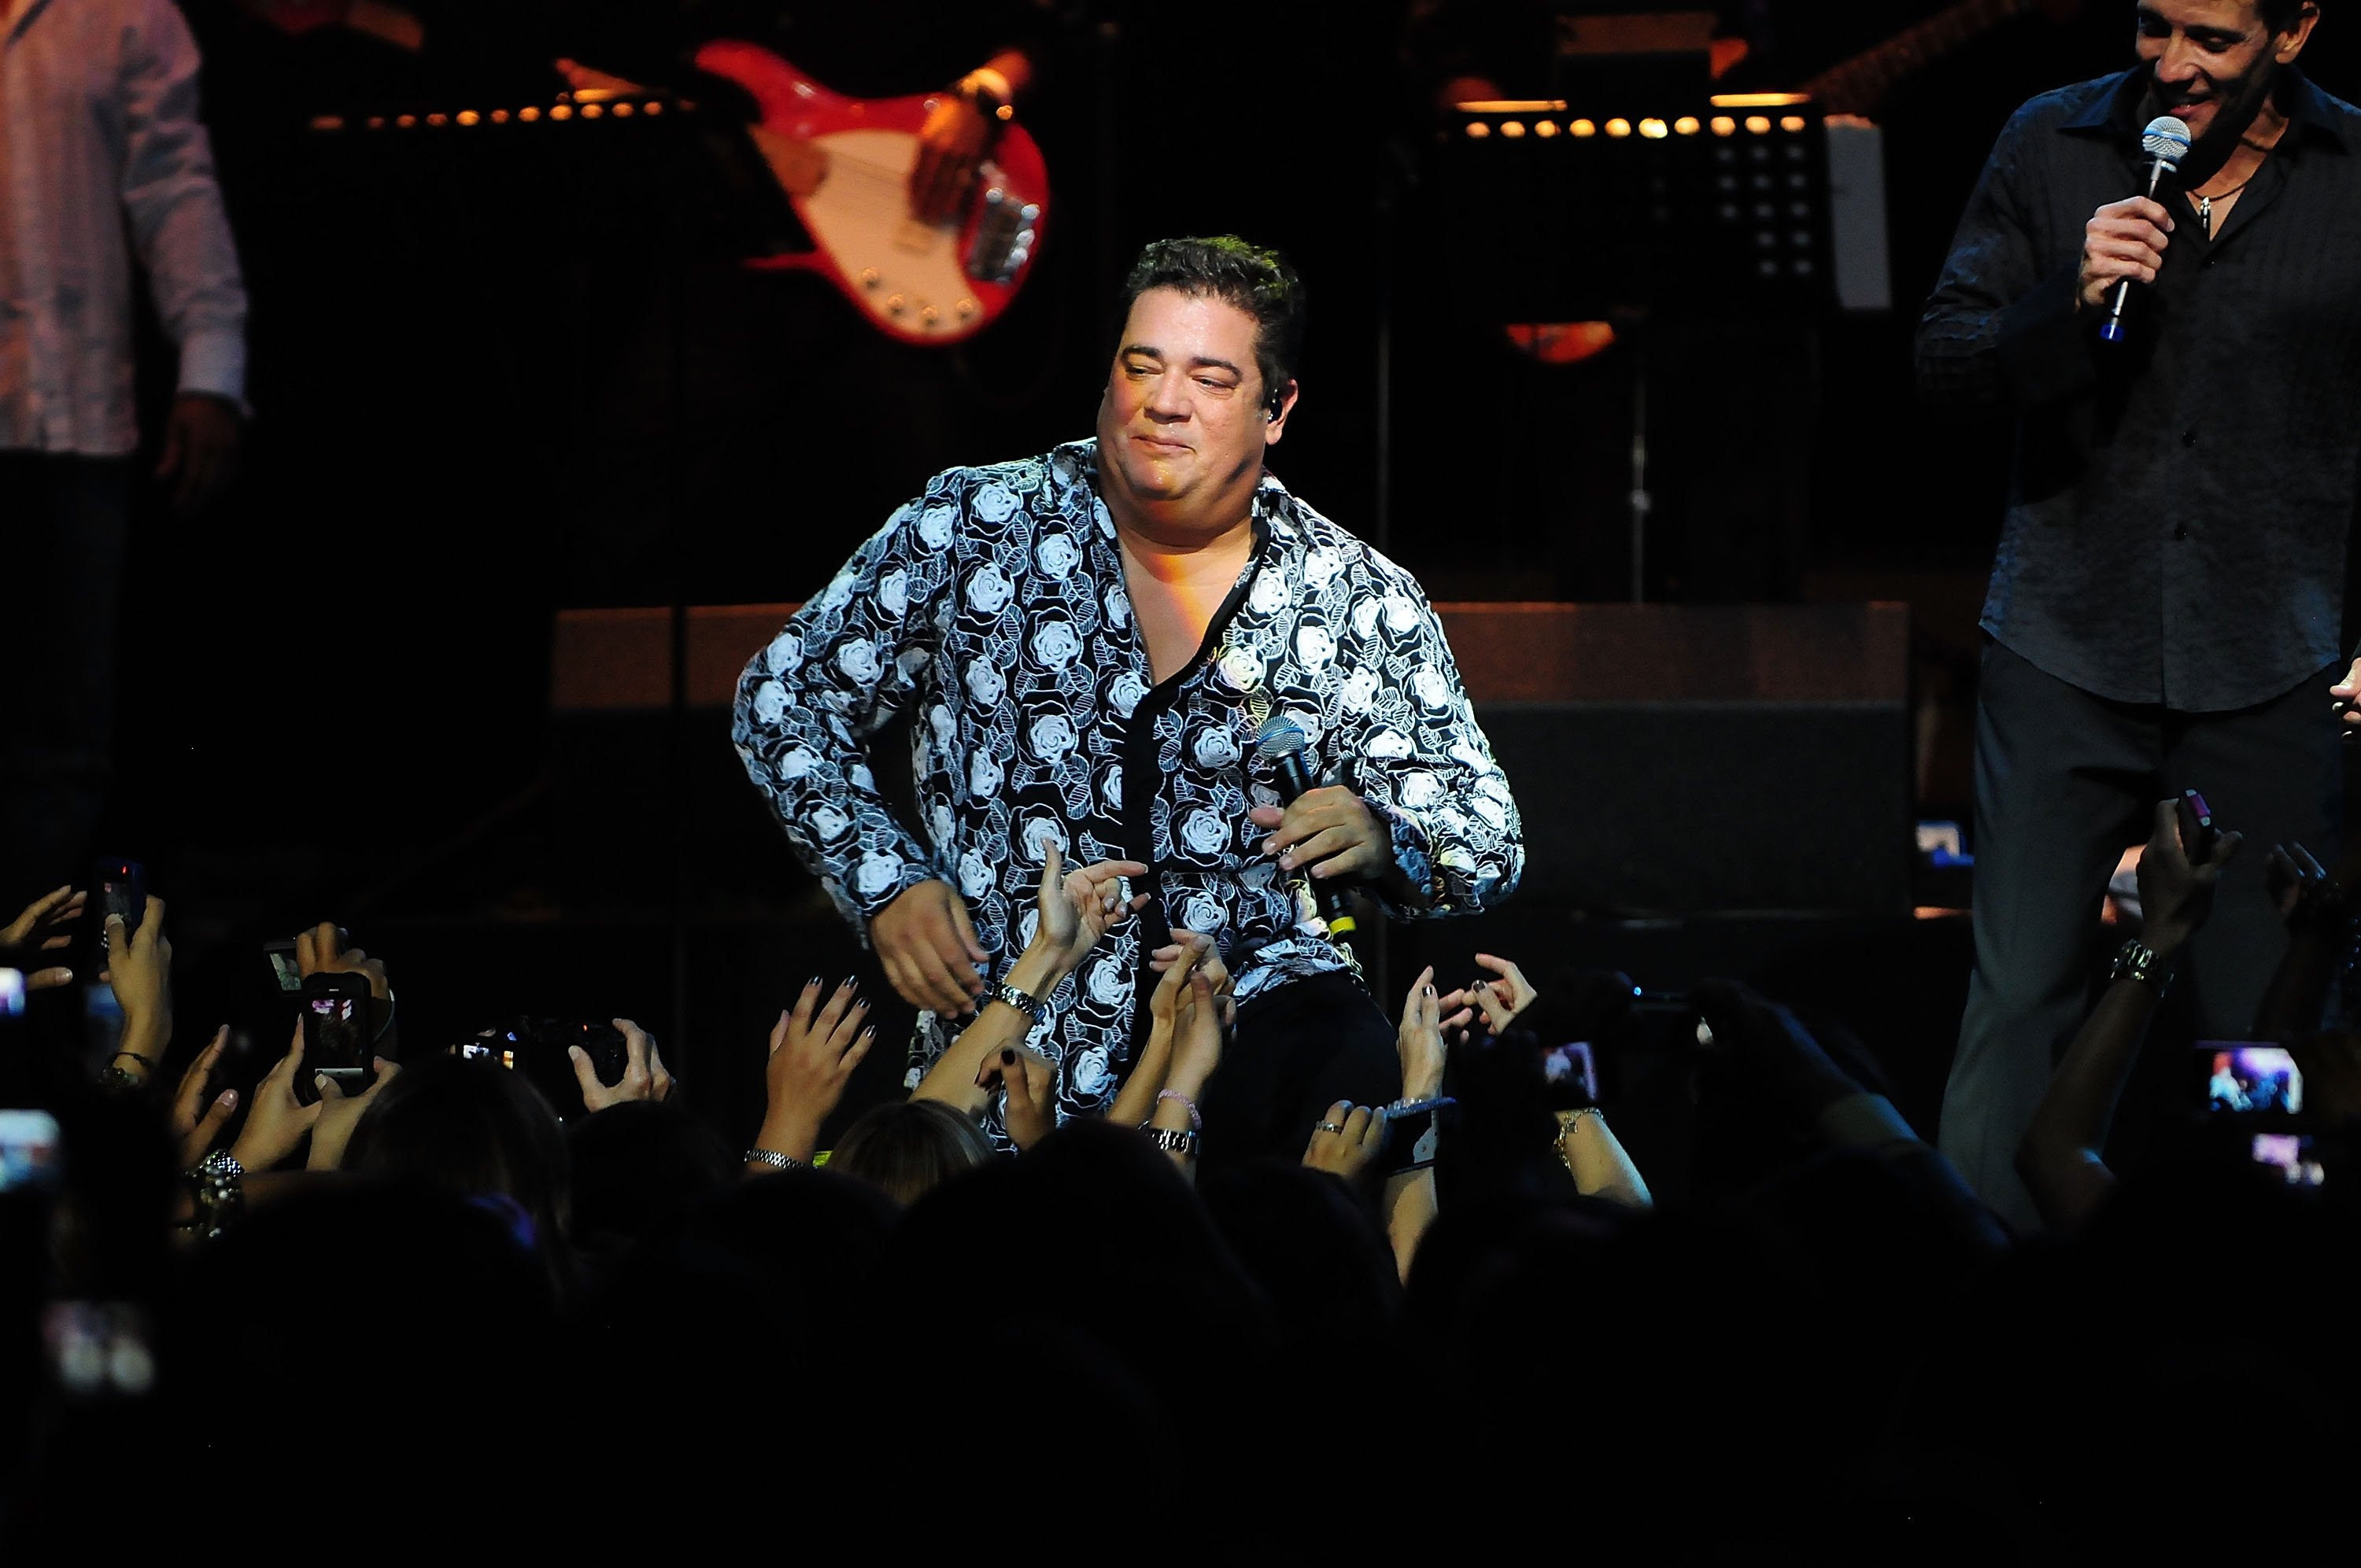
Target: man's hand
[
  {"x": 195, "y": 1124},
  {"x": 2123, "y": 239},
  {"x": 950, "y": 145},
  {"x": 813, "y": 1053},
  {"x": 928, "y": 946},
  {"x": 200, "y": 443},
  {"x": 338, "y": 1116},
  {"x": 2347, "y": 695},
  {"x": 42, "y": 928},
  {"x": 2175, "y": 890},
  {"x": 1347, "y": 1143},
  {"x": 278, "y": 1121},
  {"x": 1330, "y": 829},
  {"x": 1031, "y": 1111},
  {"x": 1420, "y": 1039},
  {"x": 645, "y": 1075}
]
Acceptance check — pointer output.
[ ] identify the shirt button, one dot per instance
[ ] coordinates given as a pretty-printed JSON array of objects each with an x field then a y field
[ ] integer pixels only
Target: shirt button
[
  {"x": 2187, "y": 438},
  {"x": 2181, "y": 530}
]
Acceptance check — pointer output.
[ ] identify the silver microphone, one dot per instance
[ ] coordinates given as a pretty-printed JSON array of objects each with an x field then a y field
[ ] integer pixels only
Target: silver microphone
[{"x": 2166, "y": 142}]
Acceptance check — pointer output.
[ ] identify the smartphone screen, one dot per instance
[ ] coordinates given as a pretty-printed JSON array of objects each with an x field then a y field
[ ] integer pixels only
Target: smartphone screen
[
  {"x": 118, "y": 887},
  {"x": 2242, "y": 1077},
  {"x": 2290, "y": 1153},
  {"x": 12, "y": 993},
  {"x": 1570, "y": 1076},
  {"x": 336, "y": 1032},
  {"x": 28, "y": 1150}
]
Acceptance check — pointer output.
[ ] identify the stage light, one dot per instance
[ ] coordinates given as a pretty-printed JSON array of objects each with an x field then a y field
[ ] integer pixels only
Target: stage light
[
  {"x": 327, "y": 121},
  {"x": 591, "y": 111},
  {"x": 1619, "y": 128},
  {"x": 1759, "y": 125},
  {"x": 658, "y": 108},
  {"x": 623, "y": 111},
  {"x": 438, "y": 119},
  {"x": 1654, "y": 130},
  {"x": 527, "y": 114},
  {"x": 1686, "y": 125},
  {"x": 1724, "y": 126},
  {"x": 1511, "y": 106},
  {"x": 499, "y": 116},
  {"x": 1791, "y": 122},
  {"x": 405, "y": 121},
  {"x": 1546, "y": 128},
  {"x": 1478, "y": 129},
  {"x": 1512, "y": 129},
  {"x": 566, "y": 112},
  {"x": 1582, "y": 128},
  {"x": 377, "y": 122},
  {"x": 469, "y": 118},
  {"x": 1757, "y": 100}
]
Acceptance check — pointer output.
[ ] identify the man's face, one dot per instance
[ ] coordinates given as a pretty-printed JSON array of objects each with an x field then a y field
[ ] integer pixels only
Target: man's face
[
  {"x": 1182, "y": 427},
  {"x": 2210, "y": 62}
]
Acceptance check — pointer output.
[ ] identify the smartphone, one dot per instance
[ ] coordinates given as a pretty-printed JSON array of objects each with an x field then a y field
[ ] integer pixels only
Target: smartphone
[
  {"x": 118, "y": 887},
  {"x": 2207, "y": 834},
  {"x": 28, "y": 1150},
  {"x": 1570, "y": 1076},
  {"x": 337, "y": 1034},
  {"x": 12, "y": 993},
  {"x": 610, "y": 1057},
  {"x": 2291, "y": 1153},
  {"x": 2241, "y": 1078},
  {"x": 280, "y": 957}
]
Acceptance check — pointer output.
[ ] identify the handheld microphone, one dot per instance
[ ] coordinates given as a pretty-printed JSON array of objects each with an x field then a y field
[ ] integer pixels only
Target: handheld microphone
[
  {"x": 2166, "y": 141},
  {"x": 1280, "y": 742}
]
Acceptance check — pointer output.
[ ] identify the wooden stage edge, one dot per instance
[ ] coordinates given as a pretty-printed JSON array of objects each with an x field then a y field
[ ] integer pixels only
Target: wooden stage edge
[{"x": 606, "y": 661}]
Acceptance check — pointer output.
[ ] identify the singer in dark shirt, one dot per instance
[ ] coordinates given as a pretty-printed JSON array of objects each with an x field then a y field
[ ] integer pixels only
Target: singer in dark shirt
[{"x": 2167, "y": 602}]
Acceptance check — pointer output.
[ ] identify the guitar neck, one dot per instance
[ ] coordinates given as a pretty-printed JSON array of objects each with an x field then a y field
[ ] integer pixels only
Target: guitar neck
[{"x": 1860, "y": 83}]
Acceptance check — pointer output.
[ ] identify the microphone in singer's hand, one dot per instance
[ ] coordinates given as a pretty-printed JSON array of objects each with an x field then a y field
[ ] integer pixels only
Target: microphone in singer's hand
[
  {"x": 1280, "y": 742},
  {"x": 2166, "y": 142}
]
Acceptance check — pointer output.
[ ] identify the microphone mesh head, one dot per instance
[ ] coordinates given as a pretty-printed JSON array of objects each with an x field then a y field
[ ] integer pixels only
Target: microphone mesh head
[
  {"x": 1278, "y": 735},
  {"x": 2167, "y": 138}
]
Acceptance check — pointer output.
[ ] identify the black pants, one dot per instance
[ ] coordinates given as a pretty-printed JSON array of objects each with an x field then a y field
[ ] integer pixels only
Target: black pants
[
  {"x": 2065, "y": 781},
  {"x": 1300, "y": 1048},
  {"x": 63, "y": 526}
]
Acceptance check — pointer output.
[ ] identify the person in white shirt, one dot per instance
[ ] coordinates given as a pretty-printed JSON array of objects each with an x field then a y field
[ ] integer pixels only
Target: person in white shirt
[{"x": 102, "y": 158}]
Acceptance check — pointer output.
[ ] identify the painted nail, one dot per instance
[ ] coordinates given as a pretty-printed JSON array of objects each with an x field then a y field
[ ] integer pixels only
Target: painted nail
[{"x": 1008, "y": 1057}]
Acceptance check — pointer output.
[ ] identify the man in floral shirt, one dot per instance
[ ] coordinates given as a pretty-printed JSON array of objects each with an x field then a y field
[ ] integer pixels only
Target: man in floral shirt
[{"x": 1089, "y": 640}]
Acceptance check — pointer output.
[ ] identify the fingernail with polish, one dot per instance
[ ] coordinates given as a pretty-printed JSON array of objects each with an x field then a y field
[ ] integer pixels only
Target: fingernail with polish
[{"x": 1008, "y": 1057}]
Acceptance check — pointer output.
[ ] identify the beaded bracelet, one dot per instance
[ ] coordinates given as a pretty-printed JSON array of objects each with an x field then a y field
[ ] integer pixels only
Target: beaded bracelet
[{"x": 1196, "y": 1122}]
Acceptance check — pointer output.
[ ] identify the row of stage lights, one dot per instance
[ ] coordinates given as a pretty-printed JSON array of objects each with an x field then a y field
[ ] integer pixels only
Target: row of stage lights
[
  {"x": 622, "y": 110},
  {"x": 1653, "y": 130}
]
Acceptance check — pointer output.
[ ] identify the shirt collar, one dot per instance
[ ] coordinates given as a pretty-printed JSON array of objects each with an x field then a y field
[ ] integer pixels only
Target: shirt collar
[{"x": 2112, "y": 106}]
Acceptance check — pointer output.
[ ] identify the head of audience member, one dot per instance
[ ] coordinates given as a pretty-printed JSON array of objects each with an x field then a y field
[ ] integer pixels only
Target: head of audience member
[
  {"x": 1316, "y": 1252},
  {"x": 638, "y": 1169},
  {"x": 910, "y": 1147},
  {"x": 477, "y": 1131}
]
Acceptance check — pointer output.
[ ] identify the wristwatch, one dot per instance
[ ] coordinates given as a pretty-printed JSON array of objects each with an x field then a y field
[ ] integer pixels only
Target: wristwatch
[
  {"x": 217, "y": 1181},
  {"x": 1172, "y": 1140},
  {"x": 1033, "y": 1007},
  {"x": 2137, "y": 961},
  {"x": 776, "y": 1160}
]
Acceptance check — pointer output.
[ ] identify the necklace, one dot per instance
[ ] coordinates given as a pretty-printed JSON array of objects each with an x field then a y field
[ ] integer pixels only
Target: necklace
[{"x": 2205, "y": 203}]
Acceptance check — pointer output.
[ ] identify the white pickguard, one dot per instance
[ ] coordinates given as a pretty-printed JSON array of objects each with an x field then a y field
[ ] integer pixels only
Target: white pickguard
[{"x": 900, "y": 270}]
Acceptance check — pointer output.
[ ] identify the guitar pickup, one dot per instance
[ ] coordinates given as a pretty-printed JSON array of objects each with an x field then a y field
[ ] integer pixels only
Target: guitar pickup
[{"x": 1004, "y": 232}]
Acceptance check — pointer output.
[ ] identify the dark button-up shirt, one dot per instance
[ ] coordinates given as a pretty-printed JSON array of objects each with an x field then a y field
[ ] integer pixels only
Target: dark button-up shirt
[
  {"x": 2182, "y": 502},
  {"x": 993, "y": 608}
]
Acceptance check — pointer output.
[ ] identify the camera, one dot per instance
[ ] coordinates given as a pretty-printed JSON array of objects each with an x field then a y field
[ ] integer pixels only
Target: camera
[
  {"x": 337, "y": 1034},
  {"x": 2241, "y": 1078}
]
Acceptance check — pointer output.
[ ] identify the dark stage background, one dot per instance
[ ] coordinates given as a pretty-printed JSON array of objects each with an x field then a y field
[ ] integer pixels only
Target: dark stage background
[{"x": 492, "y": 384}]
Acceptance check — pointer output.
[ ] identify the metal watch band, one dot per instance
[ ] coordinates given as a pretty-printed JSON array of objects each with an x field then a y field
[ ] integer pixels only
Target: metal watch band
[
  {"x": 1173, "y": 1140},
  {"x": 1031, "y": 1006},
  {"x": 2137, "y": 960},
  {"x": 776, "y": 1160}
]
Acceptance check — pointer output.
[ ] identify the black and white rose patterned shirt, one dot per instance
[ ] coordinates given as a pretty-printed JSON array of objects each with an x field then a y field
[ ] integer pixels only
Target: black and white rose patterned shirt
[{"x": 994, "y": 605}]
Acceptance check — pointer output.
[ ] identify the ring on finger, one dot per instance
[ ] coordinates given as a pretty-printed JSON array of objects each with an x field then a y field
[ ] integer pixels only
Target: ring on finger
[{"x": 1331, "y": 1127}]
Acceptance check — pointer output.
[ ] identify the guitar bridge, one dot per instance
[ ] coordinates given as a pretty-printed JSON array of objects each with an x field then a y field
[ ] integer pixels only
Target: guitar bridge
[{"x": 1003, "y": 234}]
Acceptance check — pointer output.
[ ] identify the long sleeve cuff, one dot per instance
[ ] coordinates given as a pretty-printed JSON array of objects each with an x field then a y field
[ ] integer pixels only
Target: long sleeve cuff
[
  {"x": 213, "y": 361},
  {"x": 2045, "y": 346}
]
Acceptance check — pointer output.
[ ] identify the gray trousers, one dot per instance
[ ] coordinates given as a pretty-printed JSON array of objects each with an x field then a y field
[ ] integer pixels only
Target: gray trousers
[
  {"x": 63, "y": 521},
  {"x": 2065, "y": 781}
]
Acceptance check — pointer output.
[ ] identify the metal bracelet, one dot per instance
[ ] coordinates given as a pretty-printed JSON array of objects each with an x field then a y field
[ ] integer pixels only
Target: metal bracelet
[{"x": 776, "y": 1160}]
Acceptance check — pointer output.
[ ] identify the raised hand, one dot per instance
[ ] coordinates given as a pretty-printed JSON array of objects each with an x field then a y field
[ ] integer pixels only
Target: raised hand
[
  {"x": 814, "y": 1048},
  {"x": 196, "y": 1125},
  {"x": 645, "y": 1075},
  {"x": 1346, "y": 1141},
  {"x": 277, "y": 1120},
  {"x": 1079, "y": 907},
  {"x": 139, "y": 971},
  {"x": 339, "y": 1115},
  {"x": 2176, "y": 888},
  {"x": 1199, "y": 1031},
  {"x": 1497, "y": 1001},
  {"x": 1030, "y": 1112},
  {"x": 1420, "y": 1039},
  {"x": 42, "y": 928}
]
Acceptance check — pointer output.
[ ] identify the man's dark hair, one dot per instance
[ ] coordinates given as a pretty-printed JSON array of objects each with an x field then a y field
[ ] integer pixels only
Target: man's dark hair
[{"x": 1226, "y": 268}]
